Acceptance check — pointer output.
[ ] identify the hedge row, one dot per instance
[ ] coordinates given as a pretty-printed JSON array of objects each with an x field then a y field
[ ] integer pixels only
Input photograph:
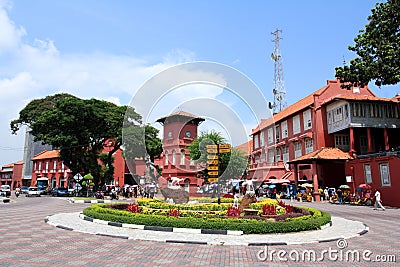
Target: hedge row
[{"x": 248, "y": 226}]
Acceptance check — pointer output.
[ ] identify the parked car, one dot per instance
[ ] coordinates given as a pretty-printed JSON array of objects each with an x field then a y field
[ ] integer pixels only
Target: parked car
[
  {"x": 60, "y": 192},
  {"x": 33, "y": 191},
  {"x": 24, "y": 189},
  {"x": 5, "y": 190}
]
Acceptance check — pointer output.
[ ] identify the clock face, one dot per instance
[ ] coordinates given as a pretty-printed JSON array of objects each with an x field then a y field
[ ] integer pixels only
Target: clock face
[
  {"x": 169, "y": 134},
  {"x": 187, "y": 134}
]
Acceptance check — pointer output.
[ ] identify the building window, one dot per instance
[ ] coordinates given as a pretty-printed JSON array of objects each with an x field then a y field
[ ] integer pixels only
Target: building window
[
  {"x": 182, "y": 157},
  {"x": 338, "y": 114},
  {"x": 296, "y": 124},
  {"x": 62, "y": 166},
  {"x": 166, "y": 157},
  {"x": 385, "y": 176},
  {"x": 284, "y": 129},
  {"x": 342, "y": 141},
  {"x": 262, "y": 143},
  {"x": 285, "y": 154},
  {"x": 255, "y": 141},
  {"x": 277, "y": 133},
  {"x": 278, "y": 154},
  {"x": 35, "y": 166},
  {"x": 309, "y": 145},
  {"x": 307, "y": 119},
  {"x": 40, "y": 165},
  {"x": 358, "y": 109},
  {"x": 47, "y": 166},
  {"x": 173, "y": 157},
  {"x": 54, "y": 165},
  {"x": 297, "y": 149},
  {"x": 270, "y": 155},
  {"x": 270, "y": 135},
  {"x": 367, "y": 171}
]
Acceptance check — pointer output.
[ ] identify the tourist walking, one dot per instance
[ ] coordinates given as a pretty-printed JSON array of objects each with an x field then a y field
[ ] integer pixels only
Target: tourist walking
[{"x": 378, "y": 200}]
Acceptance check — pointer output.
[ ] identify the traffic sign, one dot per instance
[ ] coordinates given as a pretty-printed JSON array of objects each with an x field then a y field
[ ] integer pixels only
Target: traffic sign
[
  {"x": 213, "y": 157},
  {"x": 224, "y": 150},
  {"x": 212, "y": 162},
  {"x": 211, "y": 146},
  {"x": 213, "y": 173},
  {"x": 212, "y": 150},
  {"x": 213, "y": 180},
  {"x": 224, "y": 146},
  {"x": 212, "y": 168},
  {"x": 78, "y": 177}
]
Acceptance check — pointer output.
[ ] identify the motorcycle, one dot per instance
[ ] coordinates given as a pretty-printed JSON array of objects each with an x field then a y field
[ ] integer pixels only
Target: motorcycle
[
  {"x": 16, "y": 194},
  {"x": 99, "y": 194}
]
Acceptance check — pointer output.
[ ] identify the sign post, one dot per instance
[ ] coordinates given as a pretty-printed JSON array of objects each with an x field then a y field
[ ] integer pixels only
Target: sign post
[{"x": 214, "y": 164}]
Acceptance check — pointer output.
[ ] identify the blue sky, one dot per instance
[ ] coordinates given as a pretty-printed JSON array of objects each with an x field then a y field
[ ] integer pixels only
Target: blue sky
[{"x": 108, "y": 49}]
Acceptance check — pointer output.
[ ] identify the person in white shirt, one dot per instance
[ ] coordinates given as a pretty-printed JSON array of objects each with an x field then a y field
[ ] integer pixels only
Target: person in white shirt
[{"x": 378, "y": 201}]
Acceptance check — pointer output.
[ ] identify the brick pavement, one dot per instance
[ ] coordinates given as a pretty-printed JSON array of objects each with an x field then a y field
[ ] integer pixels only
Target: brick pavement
[{"x": 26, "y": 240}]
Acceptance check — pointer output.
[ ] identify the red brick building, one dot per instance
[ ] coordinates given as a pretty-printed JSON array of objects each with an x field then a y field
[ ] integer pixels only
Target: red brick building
[
  {"x": 180, "y": 129},
  {"x": 47, "y": 164},
  {"x": 11, "y": 174},
  {"x": 355, "y": 121}
]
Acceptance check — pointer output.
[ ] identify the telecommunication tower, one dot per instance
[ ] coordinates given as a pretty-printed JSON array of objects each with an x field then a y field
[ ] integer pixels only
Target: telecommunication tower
[{"x": 279, "y": 86}]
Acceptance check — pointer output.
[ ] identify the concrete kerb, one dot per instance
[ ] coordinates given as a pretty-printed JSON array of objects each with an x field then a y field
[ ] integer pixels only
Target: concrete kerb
[
  {"x": 4, "y": 200},
  {"x": 339, "y": 229}
]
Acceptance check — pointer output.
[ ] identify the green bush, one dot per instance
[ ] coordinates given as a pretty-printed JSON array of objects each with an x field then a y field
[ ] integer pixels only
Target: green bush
[{"x": 248, "y": 226}]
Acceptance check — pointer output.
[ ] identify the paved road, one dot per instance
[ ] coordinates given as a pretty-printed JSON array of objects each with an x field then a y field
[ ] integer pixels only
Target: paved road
[{"x": 26, "y": 240}]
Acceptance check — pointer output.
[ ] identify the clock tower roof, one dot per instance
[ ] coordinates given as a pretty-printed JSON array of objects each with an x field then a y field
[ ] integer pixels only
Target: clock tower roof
[{"x": 181, "y": 116}]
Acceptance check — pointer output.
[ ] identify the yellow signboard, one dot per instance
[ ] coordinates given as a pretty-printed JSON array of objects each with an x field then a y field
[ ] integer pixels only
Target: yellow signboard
[
  {"x": 211, "y": 146},
  {"x": 214, "y": 157},
  {"x": 212, "y": 162},
  {"x": 213, "y": 173},
  {"x": 212, "y": 150},
  {"x": 213, "y": 180},
  {"x": 224, "y": 150},
  {"x": 225, "y": 146},
  {"x": 212, "y": 168}
]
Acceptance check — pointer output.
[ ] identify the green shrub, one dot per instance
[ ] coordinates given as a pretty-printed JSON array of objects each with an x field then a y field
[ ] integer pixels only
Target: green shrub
[{"x": 248, "y": 226}]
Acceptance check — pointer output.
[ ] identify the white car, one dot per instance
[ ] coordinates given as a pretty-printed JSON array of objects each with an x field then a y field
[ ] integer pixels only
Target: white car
[
  {"x": 5, "y": 190},
  {"x": 33, "y": 191}
]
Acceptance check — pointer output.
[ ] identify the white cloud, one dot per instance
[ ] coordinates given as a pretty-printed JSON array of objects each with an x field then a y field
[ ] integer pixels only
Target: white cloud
[{"x": 34, "y": 70}]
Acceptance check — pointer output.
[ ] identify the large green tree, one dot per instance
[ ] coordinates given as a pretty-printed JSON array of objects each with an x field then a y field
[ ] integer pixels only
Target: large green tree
[
  {"x": 80, "y": 129},
  {"x": 378, "y": 49},
  {"x": 232, "y": 164}
]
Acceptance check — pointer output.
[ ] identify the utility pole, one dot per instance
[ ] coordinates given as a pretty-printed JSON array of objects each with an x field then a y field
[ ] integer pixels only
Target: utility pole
[{"x": 279, "y": 86}]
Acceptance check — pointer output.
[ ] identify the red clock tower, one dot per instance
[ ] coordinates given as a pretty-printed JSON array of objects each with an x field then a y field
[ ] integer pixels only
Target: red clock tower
[{"x": 180, "y": 129}]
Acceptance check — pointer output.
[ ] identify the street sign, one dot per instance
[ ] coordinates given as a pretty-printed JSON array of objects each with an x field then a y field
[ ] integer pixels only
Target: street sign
[
  {"x": 213, "y": 180},
  {"x": 224, "y": 146},
  {"x": 212, "y": 168},
  {"x": 212, "y": 162},
  {"x": 212, "y": 157},
  {"x": 224, "y": 150},
  {"x": 212, "y": 150},
  {"x": 78, "y": 177},
  {"x": 211, "y": 146},
  {"x": 213, "y": 173}
]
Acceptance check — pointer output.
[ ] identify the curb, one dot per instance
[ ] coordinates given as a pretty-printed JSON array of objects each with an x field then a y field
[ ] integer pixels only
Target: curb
[
  {"x": 89, "y": 201},
  {"x": 161, "y": 228},
  {"x": 5, "y": 200}
]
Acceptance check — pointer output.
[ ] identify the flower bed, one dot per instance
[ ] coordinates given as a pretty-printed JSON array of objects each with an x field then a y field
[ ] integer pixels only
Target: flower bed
[{"x": 208, "y": 216}]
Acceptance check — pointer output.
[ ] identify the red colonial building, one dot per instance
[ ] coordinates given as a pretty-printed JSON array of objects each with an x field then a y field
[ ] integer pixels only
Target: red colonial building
[
  {"x": 357, "y": 122},
  {"x": 11, "y": 174},
  {"x": 48, "y": 165},
  {"x": 179, "y": 130}
]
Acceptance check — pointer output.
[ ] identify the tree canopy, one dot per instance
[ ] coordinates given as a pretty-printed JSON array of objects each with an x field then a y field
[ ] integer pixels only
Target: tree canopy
[
  {"x": 378, "y": 49},
  {"x": 82, "y": 129},
  {"x": 232, "y": 165}
]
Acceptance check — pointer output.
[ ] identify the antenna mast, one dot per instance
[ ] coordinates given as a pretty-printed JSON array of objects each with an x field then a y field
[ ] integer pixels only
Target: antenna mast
[{"x": 279, "y": 86}]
